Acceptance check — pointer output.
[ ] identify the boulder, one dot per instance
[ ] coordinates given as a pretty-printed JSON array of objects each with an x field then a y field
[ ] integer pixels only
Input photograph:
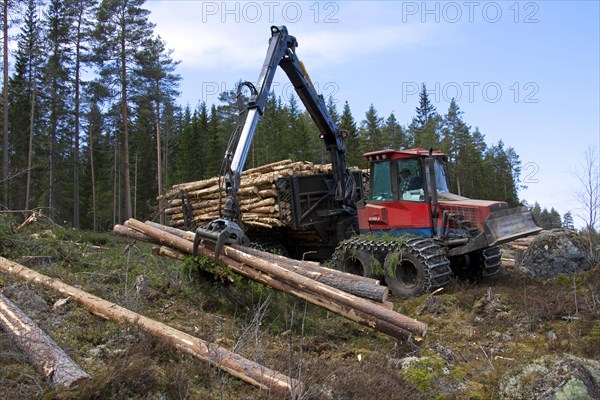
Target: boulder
[
  {"x": 557, "y": 251},
  {"x": 554, "y": 378}
]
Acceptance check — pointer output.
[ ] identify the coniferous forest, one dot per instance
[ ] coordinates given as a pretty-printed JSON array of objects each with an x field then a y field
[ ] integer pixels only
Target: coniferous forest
[{"x": 93, "y": 132}]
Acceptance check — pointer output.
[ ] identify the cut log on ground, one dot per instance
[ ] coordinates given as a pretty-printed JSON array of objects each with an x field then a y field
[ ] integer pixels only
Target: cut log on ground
[
  {"x": 43, "y": 352},
  {"x": 246, "y": 370},
  {"x": 360, "y": 286},
  {"x": 352, "y": 307}
]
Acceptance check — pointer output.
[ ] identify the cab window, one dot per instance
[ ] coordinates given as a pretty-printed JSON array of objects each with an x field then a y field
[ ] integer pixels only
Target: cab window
[{"x": 381, "y": 181}]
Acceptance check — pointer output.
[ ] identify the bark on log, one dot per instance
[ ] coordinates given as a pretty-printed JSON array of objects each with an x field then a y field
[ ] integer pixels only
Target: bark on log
[
  {"x": 246, "y": 370},
  {"x": 345, "y": 304},
  {"x": 43, "y": 352}
]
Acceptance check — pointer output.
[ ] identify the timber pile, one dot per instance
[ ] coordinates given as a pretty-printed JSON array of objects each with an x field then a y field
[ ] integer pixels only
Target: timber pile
[
  {"x": 257, "y": 196},
  {"x": 319, "y": 286}
]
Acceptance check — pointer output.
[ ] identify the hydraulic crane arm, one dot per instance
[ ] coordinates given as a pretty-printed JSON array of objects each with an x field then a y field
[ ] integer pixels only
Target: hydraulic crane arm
[{"x": 281, "y": 52}]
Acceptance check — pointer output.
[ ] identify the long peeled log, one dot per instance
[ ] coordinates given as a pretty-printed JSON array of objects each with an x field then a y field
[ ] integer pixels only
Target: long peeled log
[
  {"x": 258, "y": 276},
  {"x": 345, "y": 304},
  {"x": 232, "y": 363},
  {"x": 367, "y": 288},
  {"x": 43, "y": 352}
]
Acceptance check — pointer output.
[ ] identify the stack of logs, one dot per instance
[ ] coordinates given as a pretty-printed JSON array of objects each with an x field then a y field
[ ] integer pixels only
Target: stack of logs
[
  {"x": 357, "y": 298},
  {"x": 513, "y": 252},
  {"x": 257, "y": 196}
]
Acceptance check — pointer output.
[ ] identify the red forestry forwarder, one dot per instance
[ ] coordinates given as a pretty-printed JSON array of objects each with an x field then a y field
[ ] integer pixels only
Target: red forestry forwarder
[{"x": 408, "y": 229}]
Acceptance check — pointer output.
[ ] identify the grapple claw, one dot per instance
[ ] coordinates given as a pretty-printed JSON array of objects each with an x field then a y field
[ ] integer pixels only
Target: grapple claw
[{"x": 220, "y": 232}]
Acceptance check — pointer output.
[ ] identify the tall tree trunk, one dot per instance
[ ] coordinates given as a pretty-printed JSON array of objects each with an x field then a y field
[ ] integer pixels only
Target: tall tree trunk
[
  {"x": 115, "y": 180},
  {"x": 161, "y": 208},
  {"x": 30, "y": 150},
  {"x": 126, "y": 183},
  {"x": 5, "y": 106},
  {"x": 91, "y": 140},
  {"x": 77, "y": 116}
]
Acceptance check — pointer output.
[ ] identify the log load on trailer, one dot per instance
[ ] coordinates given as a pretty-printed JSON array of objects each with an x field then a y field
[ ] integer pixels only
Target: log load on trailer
[{"x": 330, "y": 213}]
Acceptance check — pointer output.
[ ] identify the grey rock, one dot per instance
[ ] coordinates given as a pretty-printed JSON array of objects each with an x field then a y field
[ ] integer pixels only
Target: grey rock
[
  {"x": 554, "y": 252},
  {"x": 554, "y": 378}
]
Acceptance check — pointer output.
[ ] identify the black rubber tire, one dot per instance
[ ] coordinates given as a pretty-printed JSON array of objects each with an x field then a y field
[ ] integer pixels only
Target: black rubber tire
[
  {"x": 408, "y": 278},
  {"x": 416, "y": 267},
  {"x": 477, "y": 265},
  {"x": 355, "y": 261}
]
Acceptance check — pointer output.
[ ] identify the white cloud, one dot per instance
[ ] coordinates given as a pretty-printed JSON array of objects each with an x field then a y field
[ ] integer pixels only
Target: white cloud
[{"x": 238, "y": 44}]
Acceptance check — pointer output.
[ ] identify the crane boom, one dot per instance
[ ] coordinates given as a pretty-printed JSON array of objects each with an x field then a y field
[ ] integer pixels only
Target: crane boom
[{"x": 281, "y": 52}]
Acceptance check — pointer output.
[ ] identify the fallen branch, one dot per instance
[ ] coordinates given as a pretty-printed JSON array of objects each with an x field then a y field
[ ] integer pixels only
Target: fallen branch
[
  {"x": 232, "y": 363},
  {"x": 43, "y": 352}
]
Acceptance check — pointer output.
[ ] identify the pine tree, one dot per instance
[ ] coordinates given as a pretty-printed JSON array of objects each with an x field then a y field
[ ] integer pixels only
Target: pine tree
[
  {"x": 25, "y": 112},
  {"x": 121, "y": 31},
  {"x": 82, "y": 24}
]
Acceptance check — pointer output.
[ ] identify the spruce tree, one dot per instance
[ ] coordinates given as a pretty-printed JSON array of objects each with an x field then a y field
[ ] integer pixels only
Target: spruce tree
[
  {"x": 58, "y": 83},
  {"x": 425, "y": 126},
  {"x": 347, "y": 123},
  {"x": 158, "y": 82},
  {"x": 568, "y": 222},
  {"x": 371, "y": 132},
  {"x": 393, "y": 133}
]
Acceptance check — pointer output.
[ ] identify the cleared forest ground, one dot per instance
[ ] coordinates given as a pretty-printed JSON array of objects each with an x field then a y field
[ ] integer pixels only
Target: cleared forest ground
[{"x": 479, "y": 333}]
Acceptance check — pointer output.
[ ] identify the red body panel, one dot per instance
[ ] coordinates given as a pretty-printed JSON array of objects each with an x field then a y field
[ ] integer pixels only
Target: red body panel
[{"x": 398, "y": 215}]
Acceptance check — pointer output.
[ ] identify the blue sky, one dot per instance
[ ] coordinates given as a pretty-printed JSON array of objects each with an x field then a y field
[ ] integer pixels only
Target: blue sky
[{"x": 526, "y": 73}]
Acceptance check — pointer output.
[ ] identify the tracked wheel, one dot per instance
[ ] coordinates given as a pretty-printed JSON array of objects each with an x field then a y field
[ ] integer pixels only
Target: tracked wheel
[
  {"x": 416, "y": 267},
  {"x": 477, "y": 265},
  {"x": 491, "y": 261}
]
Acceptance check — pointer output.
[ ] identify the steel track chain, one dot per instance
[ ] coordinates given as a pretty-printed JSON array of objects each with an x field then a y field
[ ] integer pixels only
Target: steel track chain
[{"x": 437, "y": 266}]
